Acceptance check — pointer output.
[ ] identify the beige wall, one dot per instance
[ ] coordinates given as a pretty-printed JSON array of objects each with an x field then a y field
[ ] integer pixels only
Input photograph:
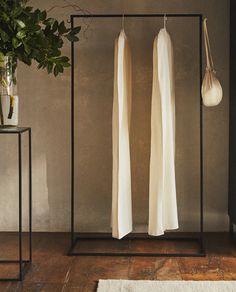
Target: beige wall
[{"x": 45, "y": 105}]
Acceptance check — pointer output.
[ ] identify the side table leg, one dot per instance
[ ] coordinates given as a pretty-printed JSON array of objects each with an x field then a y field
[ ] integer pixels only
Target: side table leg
[
  {"x": 30, "y": 197},
  {"x": 20, "y": 204}
]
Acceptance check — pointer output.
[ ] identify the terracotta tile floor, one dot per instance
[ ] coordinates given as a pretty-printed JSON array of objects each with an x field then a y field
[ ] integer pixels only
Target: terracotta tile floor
[{"x": 53, "y": 271}]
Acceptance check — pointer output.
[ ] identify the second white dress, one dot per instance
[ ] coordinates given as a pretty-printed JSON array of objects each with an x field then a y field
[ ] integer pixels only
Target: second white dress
[{"x": 162, "y": 186}]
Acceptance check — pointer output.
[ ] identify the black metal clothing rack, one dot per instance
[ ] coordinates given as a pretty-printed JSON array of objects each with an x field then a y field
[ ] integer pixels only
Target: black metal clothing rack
[{"x": 75, "y": 238}]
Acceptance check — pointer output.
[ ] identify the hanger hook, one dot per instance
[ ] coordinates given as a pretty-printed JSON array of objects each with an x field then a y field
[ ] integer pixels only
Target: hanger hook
[
  {"x": 123, "y": 21},
  {"x": 123, "y": 14},
  {"x": 165, "y": 19}
]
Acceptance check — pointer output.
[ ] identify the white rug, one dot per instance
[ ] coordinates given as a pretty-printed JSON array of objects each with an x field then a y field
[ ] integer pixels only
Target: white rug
[{"x": 165, "y": 286}]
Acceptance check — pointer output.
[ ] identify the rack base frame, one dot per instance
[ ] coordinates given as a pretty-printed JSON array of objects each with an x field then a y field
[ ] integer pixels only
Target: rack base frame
[{"x": 200, "y": 251}]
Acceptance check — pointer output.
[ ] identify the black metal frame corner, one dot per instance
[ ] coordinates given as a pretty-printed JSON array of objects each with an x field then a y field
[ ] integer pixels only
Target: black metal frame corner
[
  {"x": 23, "y": 264},
  {"x": 75, "y": 238}
]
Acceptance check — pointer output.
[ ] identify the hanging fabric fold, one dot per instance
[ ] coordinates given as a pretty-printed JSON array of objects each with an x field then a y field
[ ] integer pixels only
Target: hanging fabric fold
[
  {"x": 162, "y": 186},
  {"x": 121, "y": 176}
]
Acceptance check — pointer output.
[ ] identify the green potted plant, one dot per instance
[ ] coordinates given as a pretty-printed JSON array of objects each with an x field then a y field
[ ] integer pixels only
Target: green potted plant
[{"x": 27, "y": 35}]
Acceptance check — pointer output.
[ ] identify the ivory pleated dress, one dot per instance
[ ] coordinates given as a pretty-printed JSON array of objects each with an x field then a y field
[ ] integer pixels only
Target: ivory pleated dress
[
  {"x": 162, "y": 186},
  {"x": 121, "y": 177}
]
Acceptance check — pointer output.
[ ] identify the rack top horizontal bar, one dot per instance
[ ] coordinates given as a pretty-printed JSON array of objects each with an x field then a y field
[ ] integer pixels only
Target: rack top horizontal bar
[
  {"x": 13, "y": 130},
  {"x": 135, "y": 15}
]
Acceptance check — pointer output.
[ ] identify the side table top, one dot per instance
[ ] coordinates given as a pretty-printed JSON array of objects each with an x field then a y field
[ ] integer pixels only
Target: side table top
[{"x": 13, "y": 130}]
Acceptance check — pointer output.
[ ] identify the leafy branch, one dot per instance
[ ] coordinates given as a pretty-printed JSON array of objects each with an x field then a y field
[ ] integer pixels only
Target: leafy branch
[{"x": 27, "y": 34}]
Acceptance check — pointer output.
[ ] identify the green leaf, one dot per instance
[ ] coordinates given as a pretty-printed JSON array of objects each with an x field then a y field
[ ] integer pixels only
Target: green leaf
[
  {"x": 16, "y": 43},
  {"x": 34, "y": 54},
  {"x": 44, "y": 65},
  {"x": 43, "y": 15},
  {"x": 23, "y": 57},
  {"x": 55, "y": 26},
  {"x": 37, "y": 14},
  {"x": 63, "y": 59},
  {"x": 20, "y": 23},
  {"x": 21, "y": 34},
  {"x": 56, "y": 71},
  {"x": 40, "y": 65},
  {"x": 62, "y": 28},
  {"x": 60, "y": 68},
  {"x": 4, "y": 36},
  {"x": 66, "y": 65},
  {"x": 49, "y": 21},
  {"x": 17, "y": 12},
  {"x": 47, "y": 29},
  {"x": 72, "y": 38},
  {"x": 49, "y": 67},
  {"x": 27, "y": 48},
  {"x": 35, "y": 27},
  {"x": 28, "y": 9},
  {"x": 76, "y": 30},
  {"x": 56, "y": 53},
  {"x": 5, "y": 17}
]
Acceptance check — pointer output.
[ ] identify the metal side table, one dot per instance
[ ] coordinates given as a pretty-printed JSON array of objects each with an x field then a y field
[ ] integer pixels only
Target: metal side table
[{"x": 22, "y": 263}]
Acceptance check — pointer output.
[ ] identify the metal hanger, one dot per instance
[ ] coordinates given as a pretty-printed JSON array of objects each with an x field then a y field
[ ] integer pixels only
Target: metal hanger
[
  {"x": 123, "y": 21},
  {"x": 165, "y": 20},
  {"x": 123, "y": 16}
]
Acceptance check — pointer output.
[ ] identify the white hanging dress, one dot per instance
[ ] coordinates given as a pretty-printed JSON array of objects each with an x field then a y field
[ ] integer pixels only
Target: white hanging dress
[
  {"x": 121, "y": 176},
  {"x": 162, "y": 186}
]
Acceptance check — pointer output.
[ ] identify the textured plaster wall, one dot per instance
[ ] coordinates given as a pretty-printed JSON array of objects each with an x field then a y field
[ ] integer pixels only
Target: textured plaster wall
[{"x": 45, "y": 106}]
